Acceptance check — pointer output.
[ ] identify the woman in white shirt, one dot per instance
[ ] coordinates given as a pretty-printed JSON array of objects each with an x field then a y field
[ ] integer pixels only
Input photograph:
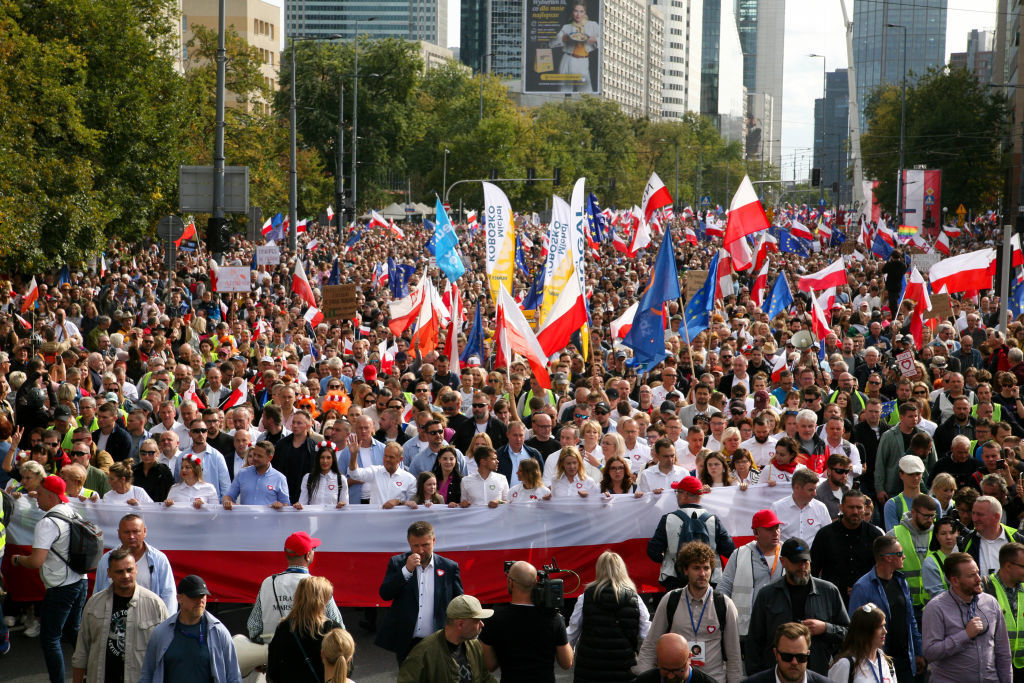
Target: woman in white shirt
[
  {"x": 121, "y": 488},
  {"x": 192, "y": 490},
  {"x": 325, "y": 487},
  {"x": 612, "y": 446},
  {"x": 531, "y": 486},
  {"x": 862, "y": 649},
  {"x": 571, "y": 477},
  {"x": 591, "y": 449}
]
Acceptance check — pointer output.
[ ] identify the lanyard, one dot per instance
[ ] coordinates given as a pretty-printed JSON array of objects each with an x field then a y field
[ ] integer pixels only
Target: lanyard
[
  {"x": 972, "y": 609},
  {"x": 878, "y": 675},
  {"x": 701, "y": 617},
  {"x": 775, "y": 562},
  {"x": 202, "y": 636}
]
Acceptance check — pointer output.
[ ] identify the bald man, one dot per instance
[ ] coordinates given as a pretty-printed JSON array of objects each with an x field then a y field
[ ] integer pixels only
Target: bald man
[{"x": 673, "y": 655}]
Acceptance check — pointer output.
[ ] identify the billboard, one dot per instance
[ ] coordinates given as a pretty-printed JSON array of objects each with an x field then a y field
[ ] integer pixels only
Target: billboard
[
  {"x": 922, "y": 200},
  {"x": 562, "y": 46}
]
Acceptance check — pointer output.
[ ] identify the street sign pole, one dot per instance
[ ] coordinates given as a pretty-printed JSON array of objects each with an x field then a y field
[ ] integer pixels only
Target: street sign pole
[{"x": 1004, "y": 284}]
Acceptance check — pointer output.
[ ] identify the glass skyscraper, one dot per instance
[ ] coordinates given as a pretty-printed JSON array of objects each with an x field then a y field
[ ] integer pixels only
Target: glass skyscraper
[{"x": 409, "y": 19}]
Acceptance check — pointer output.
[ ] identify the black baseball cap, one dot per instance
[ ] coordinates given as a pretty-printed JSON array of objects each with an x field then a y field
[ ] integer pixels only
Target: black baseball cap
[
  {"x": 193, "y": 586},
  {"x": 796, "y": 549}
]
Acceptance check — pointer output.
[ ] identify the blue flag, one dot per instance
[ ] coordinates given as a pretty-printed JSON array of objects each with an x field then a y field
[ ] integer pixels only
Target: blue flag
[
  {"x": 1015, "y": 305},
  {"x": 475, "y": 340},
  {"x": 398, "y": 278},
  {"x": 335, "y": 277},
  {"x": 697, "y": 314},
  {"x": 64, "y": 277},
  {"x": 780, "y": 298},
  {"x": 647, "y": 336},
  {"x": 276, "y": 228},
  {"x": 353, "y": 239},
  {"x": 447, "y": 245},
  {"x": 431, "y": 245},
  {"x": 881, "y": 248},
  {"x": 521, "y": 258},
  {"x": 535, "y": 294},
  {"x": 838, "y": 237},
  {"x": 792, "y": 245},
  {"x": 595, "y": 219}
]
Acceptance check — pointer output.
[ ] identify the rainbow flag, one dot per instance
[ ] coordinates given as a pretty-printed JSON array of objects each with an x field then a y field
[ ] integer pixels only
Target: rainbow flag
[{"x": 907, "y": 230}]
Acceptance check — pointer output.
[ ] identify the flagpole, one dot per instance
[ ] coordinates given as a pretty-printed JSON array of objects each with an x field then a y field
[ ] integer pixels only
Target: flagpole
[{"x": 686, "y": 329}]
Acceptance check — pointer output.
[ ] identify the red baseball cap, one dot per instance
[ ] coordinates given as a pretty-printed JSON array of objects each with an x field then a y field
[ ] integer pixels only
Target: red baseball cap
[
  {"x": 689, "y": 484},
  {"x": 764, "y": 518},
  {"x": 300, "y": 543},
  {"x": 56, "y": 486},
  {"x": 370, "y": 373}
]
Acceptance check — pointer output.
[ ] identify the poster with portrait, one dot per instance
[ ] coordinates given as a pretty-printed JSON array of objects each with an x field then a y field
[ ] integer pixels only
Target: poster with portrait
[{"x": 562, "y": 46}]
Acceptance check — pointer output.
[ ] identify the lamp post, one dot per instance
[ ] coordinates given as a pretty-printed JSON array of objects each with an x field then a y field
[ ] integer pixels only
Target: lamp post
[
  {"x": 824, "y": 92},
  {"x": 444, "y": 176},
  {"x": 481, "y": 71},
  {"x": 293, "y": 174},
  {"x": 355, "y": 123},
  {"x": 339, "y": 180},
  {"x": 903, "y": 120}
]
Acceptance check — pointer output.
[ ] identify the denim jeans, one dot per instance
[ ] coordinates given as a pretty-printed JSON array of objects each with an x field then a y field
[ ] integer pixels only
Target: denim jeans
[{"x": 60, "y": 613}]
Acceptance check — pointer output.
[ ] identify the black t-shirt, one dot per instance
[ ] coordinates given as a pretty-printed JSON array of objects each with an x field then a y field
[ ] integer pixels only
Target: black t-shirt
[
  {"x": 115, "y": 640},
  {"x": 798, "y": 598},
  {"x": 458, "y": 653},
  {"x": 524, "y": 639},
  {"x": 896, "y": 640}
]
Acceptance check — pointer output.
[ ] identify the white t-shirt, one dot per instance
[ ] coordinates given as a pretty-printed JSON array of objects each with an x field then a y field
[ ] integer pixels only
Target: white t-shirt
[
  {"x": 480, "y": 491},
  {"x": 520, "y": 494},
  {"x": 563, "y": 488},
  {"x": 135, "y": 492},
  {"x": 54, "y": 535},
  {"x": 183, "y": 493},
  {"x": 988, "y": 558}
]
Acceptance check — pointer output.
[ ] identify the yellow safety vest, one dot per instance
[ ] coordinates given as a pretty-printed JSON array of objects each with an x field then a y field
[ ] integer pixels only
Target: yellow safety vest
[
  {"x": 912, "y": 564},
  {"x": 1014, "y": 623},
  {"x": 939, "y": 558}
]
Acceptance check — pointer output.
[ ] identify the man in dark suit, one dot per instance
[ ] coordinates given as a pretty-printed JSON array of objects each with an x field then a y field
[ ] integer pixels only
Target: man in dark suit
[
  {"x": 739, "y": 375},
  {"x": 515, "y": 451},
  {"x": 792, "y": 649},
  {"x": 482, "y": 417},
  {"x": 409, "y": 621},
  {"x": 111, "y": 437}
]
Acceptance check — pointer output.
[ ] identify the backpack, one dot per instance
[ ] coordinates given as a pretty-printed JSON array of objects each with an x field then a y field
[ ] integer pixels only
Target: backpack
[
  {"x": 85, "y": 547},
  {"x": 673, "y": 602},
  {"x": 693, "y": 527}
]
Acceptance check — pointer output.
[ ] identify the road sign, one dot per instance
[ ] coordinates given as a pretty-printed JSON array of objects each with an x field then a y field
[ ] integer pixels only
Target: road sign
[
  {"x": 905, "y": 361},
  {"x": 170, "y": 228},
  {"x": 929, "y": 200},
  {"x": 195, "y": 189},
  {"x": 821, "y": 202},
  {"x": 705, "y": 200},
  {"x": 961, "y": 211}
]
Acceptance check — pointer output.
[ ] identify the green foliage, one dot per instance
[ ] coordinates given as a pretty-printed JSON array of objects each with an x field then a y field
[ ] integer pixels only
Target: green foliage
[{"x": 953, "y": 123}]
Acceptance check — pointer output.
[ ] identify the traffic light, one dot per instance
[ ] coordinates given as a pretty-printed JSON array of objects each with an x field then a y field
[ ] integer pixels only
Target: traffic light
[
  {"x": 815, "y": 177},
  {"x": 556, "y": 177},
  {"x": 218, "y": 234},
  {"x": 531, "y": 175}
]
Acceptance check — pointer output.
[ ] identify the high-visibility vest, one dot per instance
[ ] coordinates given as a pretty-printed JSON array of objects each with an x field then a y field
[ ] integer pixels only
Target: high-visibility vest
[
  {"x": 912, "y": 564},
  {"x": 1014, "y": 623},
  {"x": 939, "y": 559}
]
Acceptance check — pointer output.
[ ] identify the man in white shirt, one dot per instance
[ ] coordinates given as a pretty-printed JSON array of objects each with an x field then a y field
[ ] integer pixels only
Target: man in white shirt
[
  {"x": 637, "y": 450},
  {"x": 166, "y": 412},
  {"x": 660, "y": 478},
  {"x": 169, "y": 453},
  {"x": 762, "y": 444},
  {"x": 802, "y": 514},
  {"x": 486, "y": 486},
  {"x": 389, "y": 484}
]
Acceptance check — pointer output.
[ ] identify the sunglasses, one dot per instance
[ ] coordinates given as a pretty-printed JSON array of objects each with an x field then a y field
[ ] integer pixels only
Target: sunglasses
[
  {"x": 479, "y": 405},
  {"x": 841, "y": 471},
  {"x": 77, "y": 453},
  {"x": 436, "y": 432},
  {"x": 146, "y": 452},
  {"x": 198, "y": 431},
  {"x": 801, "y": 657}
]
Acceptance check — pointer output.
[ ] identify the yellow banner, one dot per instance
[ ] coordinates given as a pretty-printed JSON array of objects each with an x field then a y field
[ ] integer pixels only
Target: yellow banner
[{"x": 500, "y": 235}]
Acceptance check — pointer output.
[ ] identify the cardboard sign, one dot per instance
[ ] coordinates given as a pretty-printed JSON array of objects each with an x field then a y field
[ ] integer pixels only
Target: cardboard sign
[
  {"x": 941, "y": 307},
  {"x": 339, "y": 301},
  {"x": 924, "y": 262},
  {"x": 847, "y": 247},
  {"x": 905, "y": 361},
  {"x": 233, "y": 279},
  {"x": 268, "y": 255},
  {"x": 694, "y": 281}
]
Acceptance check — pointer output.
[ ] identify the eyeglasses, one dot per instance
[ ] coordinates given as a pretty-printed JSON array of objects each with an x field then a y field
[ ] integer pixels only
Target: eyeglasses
[
  {"x": 196, "y": 430},
  {"x": 436, "y": 432},
  {"x": 873, "y": 381},
  {"x": 78, "y": 453},
  {"x": 899, "y": 554},
  {"x": 140, "y": 452},
  {"x": 801, "y": 657}
]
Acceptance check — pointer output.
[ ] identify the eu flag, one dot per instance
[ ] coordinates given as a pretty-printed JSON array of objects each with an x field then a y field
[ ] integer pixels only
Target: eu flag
[
  {"x": 697, "y": 314},
  {"x": 881, "y": 248},
  {"x": 335, "y": 277},
  {"x": 647, "y": 336},
  {"x": 595, "y": 219},
  {"x": 1015, "y": 305},
  {"x": 531, "y": 302},
  {"x": 792, "y": 245},
  {"x": 398, "y": 278},
  {"x": 780, "y": 299},
  {"x": 431, "y": 245},
  {"x": 521, "y": 257}
]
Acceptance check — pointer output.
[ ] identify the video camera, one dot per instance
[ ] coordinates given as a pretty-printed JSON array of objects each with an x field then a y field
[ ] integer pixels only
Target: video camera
[{"x": 548, "y": 592}]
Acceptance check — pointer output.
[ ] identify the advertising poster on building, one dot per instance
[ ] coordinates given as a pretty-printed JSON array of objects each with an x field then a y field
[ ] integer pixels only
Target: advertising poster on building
[
  {"x": 562, "y": 46},
  {"x": 922, "y": 191}
]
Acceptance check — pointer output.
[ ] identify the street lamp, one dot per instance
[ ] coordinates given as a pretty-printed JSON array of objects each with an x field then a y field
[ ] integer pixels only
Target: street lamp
[
  {"x": 444, "y": 176},
  {"x": 481, "y": 72},
  {"x": 355, "y": 123},
  {"x": 903, "y": 120},
  {"x": 824, "y": 94}
]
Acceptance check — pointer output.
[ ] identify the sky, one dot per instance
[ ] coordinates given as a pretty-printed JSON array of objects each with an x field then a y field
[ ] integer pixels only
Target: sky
[{"x": 816, "y": 26}]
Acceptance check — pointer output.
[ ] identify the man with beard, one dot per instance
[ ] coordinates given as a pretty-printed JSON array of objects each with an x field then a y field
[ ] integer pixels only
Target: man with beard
[
  {"x": 762, "y": 444},
  {"x": 841, "y": 553},
  {"x": 831, "y": 491}
]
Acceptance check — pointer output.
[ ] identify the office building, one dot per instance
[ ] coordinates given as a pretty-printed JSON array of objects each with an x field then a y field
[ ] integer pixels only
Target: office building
[
  {"x": 491, "y": 37},
  {"x": 434, "y": 56},
  {"x": 631, "y": 68},
  {"x": 979, "y": 57},
  {"x": 408, "y": 19},
  {"x": 762, "y": 29},
  {"x": 722, "y": 95},
  {"x": 832, "y": 135},
  {"x": 681, "y": 55},
  {"x": 762, "y": 135},
  {"x": 879, "y": 52},
  {"x": 1008, "y": 69}
]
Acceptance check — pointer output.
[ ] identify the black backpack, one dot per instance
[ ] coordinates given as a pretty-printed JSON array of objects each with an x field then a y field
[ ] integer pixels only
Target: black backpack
[{"x": 85, "y": 547}]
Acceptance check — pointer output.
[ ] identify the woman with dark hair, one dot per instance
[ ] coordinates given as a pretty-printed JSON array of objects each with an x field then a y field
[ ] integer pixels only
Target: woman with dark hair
[
  {"x": 616, "y": 477},
  {"x": 426, "y": 491},
  {"x": 743, "y": 468},
  {"x": 155, "y": 477},
  {"x": 326, "y": 486},
  {"x": 449, "y": 478},
  {"x": 121, "y": 488},
  {"x": 716, "y": 471},
  {"x": 943, "y": 544},
  {"x": 293, "y": 653},
  {"x": 862, "y": 652}
]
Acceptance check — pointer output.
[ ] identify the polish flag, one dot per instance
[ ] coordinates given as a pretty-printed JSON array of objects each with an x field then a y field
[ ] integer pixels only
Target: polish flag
[
  {"x": 723, "y": 287},
  {"x": 568, "y": 314},
  {"x": 691, "y": 236},
  {"x": 713, "y": 227},
  {"x": 917, "y": 292},
  {"x": 779, "y": 363},
  {"x": 641, "y": 238},
  {"x": 656, "y": 196},
  {"x": 429, "y": 320},
  {"x": 766, "y": 244},
  {"x": 313, "y": 245},
  {"x": 619, "y": 243},
  {"x": 451, "y": 340},
  {"x": 387, "y": 356},
  {"x": 865, "y": 237},
  {"x": 746, "y": 216},
  {"x": 404, "y": 311},
  {"x": 330, "y": 213},
  {"x": 1018, "y": 255},
  {"x": 798, "y": 229},
  {"x": 24, "y": 323},
  {"x": 267, "y": 227},
  {"x": 621, "y": 325},
  {"x": 452, "y": 300},
  {"x": 971, "y": 271},
  {"x": 31, "y": 296},
  {"x": 887, "y": 235},
  {"x": 827, "y": 299},
  {"x": 833, "y": 275},
  {"x": 819, "y": 321},
  {"x": 545, "y": 246},
  {"x": 513, "y": 335},
  {"x": 739, "y": 252},
  {"x": 396, "y": 231},
  {"x": 214, "y": 270},
  {"x": 300, "y": 284},
  {"x": 471, "y": 221},
  {"x": 191, "y": 395},
  {"x": 300, "y": 226},
  {"x": 952, "y": 230},
  {"x": 237, "y": 396},
  {"x": 103, "y": 265},
  {"x": 188, "y": 234},
  {"x": 262, "y": 327},
  {"x": 284, "y": 225},
  {"x": 313, "y": 315},
  {"x": 942, "y": 244},
  {"x": 760, "y": 285},
  {"x": 824, "y": 233},
  {"x": 377, "y": 221}
]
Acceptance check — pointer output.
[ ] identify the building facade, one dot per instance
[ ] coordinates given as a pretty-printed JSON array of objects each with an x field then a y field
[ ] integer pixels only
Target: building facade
[
  {"x": 980, "y": 55},
  {"x": 762, "y": 30},
  {"x": 408, "y": 19},
  {"x": 681, "y": 56},
  {"x": 832, "y": 135},
  {"x": 722, "y": 94}
]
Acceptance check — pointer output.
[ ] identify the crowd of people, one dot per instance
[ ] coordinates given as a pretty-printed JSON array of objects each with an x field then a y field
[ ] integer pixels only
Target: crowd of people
[{"x": 892, "y": 548}]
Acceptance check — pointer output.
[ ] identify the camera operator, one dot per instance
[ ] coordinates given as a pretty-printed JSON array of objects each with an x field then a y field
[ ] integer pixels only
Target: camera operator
[{"x": 522, "y": 639}]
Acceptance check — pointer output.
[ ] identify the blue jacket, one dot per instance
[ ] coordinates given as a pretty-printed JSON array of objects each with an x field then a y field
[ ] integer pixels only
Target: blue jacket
[
  {"x": 223, "y": 660},
  {"x": 505, "y": 460},
  {"x": 869, "y": 589},
  {"x": 161, "y": 578}
]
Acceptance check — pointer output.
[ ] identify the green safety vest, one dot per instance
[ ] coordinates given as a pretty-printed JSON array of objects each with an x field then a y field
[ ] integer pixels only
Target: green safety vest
[
  {"x": 3, "y": 530},
  {"x": 939, "y": 558},
  {"x": 997, "y": 411},
  {"x": 529, "y": 395},
  {"x": 1014, "y": 623},
  {"x": 901, "y": 503},
  {"x": 912, "y": 564}
]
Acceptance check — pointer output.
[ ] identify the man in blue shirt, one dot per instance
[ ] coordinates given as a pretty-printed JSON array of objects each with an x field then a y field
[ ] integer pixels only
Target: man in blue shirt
[
  {"x": 215, "y": 468},
  {"x": 259, "y": 484}
]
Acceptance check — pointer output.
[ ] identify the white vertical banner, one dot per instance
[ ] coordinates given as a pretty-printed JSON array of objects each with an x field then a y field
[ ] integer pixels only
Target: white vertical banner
[
  {"x": 560, "y": 258},
  {"x": 500, "y": 242}
]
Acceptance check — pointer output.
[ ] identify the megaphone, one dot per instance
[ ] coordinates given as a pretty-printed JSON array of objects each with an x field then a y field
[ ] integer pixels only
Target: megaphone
[
  {"x": 250, "y": 654},
  {"x": 802, "y": 340}
]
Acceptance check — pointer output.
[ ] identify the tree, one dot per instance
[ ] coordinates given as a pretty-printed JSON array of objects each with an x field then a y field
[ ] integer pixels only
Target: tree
[{"x": 953, "y": 123}]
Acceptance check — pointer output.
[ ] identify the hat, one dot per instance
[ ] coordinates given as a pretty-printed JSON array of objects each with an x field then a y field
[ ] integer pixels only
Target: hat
[
  {"x": 56, "y": 486},
  {"x": 689, "y": 484},
  {"x": 796, "y": 549},
  {"x": 110, "y": 396},
  {"x": 761, "y": 397},
  {"x": 370, "y": 373},
  {"x": 193, "y": 586},
  {"x": 238, "y": 356},
  {"x": 160, "y": 385},
  {"x": 939, "y": 362},
  {"x": 911, "y": 464},
  {"x": 266, "y": 359},
  {"x": 737, "y": 405},
  {"x": 472, "y": 362},
  {"x": 764, "y": 519},
  {"x": 143, "y": 404},
  {"x": 621, "y": 354},
  {"x": 602, "y": 406},
  {"x": 559, "y": 377},
  {"x": 467, "y": 607},
  {"x": 667, "y": 407},
  {"x": 62, "y": 413},
  {"x": 401, "y": 357},
  {"x": 300, "y": 543},
  {"x": 901, "y": 339}
]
